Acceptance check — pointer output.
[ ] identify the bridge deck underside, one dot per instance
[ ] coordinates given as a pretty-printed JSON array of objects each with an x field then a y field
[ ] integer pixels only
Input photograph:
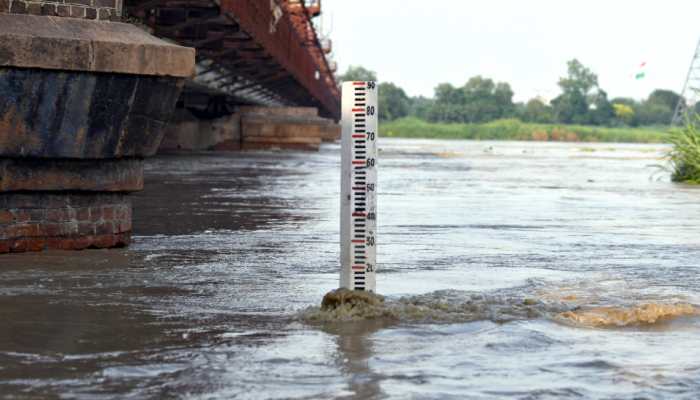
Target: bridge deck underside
[{"x": 245, "y": 52}]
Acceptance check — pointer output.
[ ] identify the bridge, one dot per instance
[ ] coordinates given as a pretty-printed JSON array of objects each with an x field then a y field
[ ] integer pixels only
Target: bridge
[
  {"x": 89, "y": 88},
  {"x": 261, "y": 52}
]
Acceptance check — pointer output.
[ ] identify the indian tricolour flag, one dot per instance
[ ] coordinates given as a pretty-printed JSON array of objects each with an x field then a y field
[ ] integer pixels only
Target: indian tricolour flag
[{"x": 641, "y": 71}]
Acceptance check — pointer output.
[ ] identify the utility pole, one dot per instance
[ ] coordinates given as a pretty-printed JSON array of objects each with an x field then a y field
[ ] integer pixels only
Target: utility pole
[{"x": 690, "y": 96}]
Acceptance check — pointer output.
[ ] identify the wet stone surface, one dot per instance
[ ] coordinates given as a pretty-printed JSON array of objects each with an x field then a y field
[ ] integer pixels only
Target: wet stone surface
[{"x": 498, "y": 260}]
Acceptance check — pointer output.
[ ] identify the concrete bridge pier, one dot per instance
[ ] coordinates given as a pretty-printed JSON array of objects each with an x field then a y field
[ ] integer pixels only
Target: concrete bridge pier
[
  {"x": 83, "y": 99},
  {"x": 251, "y": 128},
  {"x": 298, "y": 128}
]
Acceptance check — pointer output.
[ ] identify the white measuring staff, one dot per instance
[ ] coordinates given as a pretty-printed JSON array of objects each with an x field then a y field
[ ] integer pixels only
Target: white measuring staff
[{"x": 358, "y": 187}]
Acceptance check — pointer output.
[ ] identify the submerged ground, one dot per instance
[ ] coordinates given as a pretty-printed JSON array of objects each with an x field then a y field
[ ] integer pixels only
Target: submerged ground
[{"x": 511, "y": 270}]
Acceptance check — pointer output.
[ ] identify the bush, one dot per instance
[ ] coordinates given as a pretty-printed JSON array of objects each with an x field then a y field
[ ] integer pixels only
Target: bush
[{"x": 685, "y": 155}]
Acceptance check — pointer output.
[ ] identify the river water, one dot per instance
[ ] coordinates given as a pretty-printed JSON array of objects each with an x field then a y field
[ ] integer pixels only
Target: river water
[{"x": 514, "y": 270}]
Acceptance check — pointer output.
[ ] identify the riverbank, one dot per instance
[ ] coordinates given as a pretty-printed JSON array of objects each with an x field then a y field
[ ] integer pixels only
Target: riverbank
[{"x": 513, "y": 129}]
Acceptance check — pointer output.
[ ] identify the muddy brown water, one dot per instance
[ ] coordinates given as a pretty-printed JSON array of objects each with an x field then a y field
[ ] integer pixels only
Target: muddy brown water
[{"x": 510, "y": 270}]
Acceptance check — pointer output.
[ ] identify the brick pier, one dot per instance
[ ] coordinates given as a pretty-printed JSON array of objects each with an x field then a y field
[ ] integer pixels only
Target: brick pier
[{"x": 83, "y": 99}]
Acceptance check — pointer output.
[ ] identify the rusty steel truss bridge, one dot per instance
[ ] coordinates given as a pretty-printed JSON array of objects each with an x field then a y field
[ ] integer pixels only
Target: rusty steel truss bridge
[{"x": 264, "y": 52}]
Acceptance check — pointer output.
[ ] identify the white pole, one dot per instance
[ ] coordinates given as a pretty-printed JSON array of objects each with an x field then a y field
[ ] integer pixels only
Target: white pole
[{"x": 358, "y": 193}]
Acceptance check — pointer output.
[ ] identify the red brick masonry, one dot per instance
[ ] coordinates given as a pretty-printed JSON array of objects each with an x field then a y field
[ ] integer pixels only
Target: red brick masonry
[
  {"x": 66, "y": 221},
  {"x": 105, "y": 10}
]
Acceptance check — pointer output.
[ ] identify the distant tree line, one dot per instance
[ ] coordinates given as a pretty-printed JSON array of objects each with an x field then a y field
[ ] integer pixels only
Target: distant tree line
[{"x": 581, "y": 101}]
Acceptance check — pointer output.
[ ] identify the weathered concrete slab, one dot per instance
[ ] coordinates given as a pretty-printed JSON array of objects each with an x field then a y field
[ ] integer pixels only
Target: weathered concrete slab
[
  {"x": 34, "y": 174},
  {"x": 65, "y": 114},
  {"x": 185, "y": 132},
  {"x": 30, "y": 41}
]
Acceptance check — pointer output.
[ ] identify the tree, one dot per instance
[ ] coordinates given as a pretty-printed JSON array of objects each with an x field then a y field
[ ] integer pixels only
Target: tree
[
  {"x": 624, "y": 113},
  {"x": 632, "y": 104},
  {"x": 600, "y": 111},
  {"x": 537, "y": 111},
  {"x": 421, "y": 107},
  {"x": 659, "y": 107},
  {"x": 441, "y": 112},
  {"x": 485, "y": 100},
  {"x": 570, "y": 108},
  {"x": 449, "y": 104},
  {"x": 504, "y": 98},
  {"x": 651, "y": 113},
  {"x": 581, "y": 101},
  {"x": 445, "y": 93},
  {"x": 393, "y": 102},
  {"x": 579, "y": 79},
  {"x": 357, "y": 73},
  {"x": 626, "y": 101},
  {"x": 665, "y": 97},
  {"x": 479, "y": 100}
]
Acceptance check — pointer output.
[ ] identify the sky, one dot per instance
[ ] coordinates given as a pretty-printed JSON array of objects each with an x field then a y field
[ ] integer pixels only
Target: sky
[{"x": 418, "y": 44}]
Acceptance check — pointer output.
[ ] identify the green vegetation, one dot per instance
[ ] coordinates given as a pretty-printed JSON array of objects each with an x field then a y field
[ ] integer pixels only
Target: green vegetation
[
  {"x": 514, "y": 129},
  {"x": 358, "y": 73},
  {"x": 685, "y": 156},
  {"x": 582, "y": 110}
]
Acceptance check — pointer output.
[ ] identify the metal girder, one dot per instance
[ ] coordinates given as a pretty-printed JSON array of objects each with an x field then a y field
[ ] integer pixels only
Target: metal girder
[
  {"x": 262, "y": 81},
  {"x": 268, "y": 49},
  {"x": 187, "y": 24},
  {"x": 282, "y": 41}
]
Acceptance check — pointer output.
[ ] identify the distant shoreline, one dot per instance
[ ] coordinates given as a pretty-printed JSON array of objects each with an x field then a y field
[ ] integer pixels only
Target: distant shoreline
[{"x": 513, "y": 129}]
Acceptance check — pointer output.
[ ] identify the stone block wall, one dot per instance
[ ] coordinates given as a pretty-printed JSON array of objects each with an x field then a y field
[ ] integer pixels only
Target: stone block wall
[{"x": 104, "y": 10}]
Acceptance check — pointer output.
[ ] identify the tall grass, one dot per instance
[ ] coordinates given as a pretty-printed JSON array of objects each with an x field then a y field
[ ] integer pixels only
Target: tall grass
[
  {"x": 685, "y": 155},
  {"x": 513, "y": 129}
]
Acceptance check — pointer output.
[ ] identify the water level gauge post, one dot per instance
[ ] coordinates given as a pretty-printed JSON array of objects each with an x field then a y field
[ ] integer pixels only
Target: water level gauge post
[{"x": 358, "y": 194}]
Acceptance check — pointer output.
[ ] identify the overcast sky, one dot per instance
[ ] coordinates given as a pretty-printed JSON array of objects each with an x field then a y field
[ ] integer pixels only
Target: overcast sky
[{"x": 420, "y": 43}]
